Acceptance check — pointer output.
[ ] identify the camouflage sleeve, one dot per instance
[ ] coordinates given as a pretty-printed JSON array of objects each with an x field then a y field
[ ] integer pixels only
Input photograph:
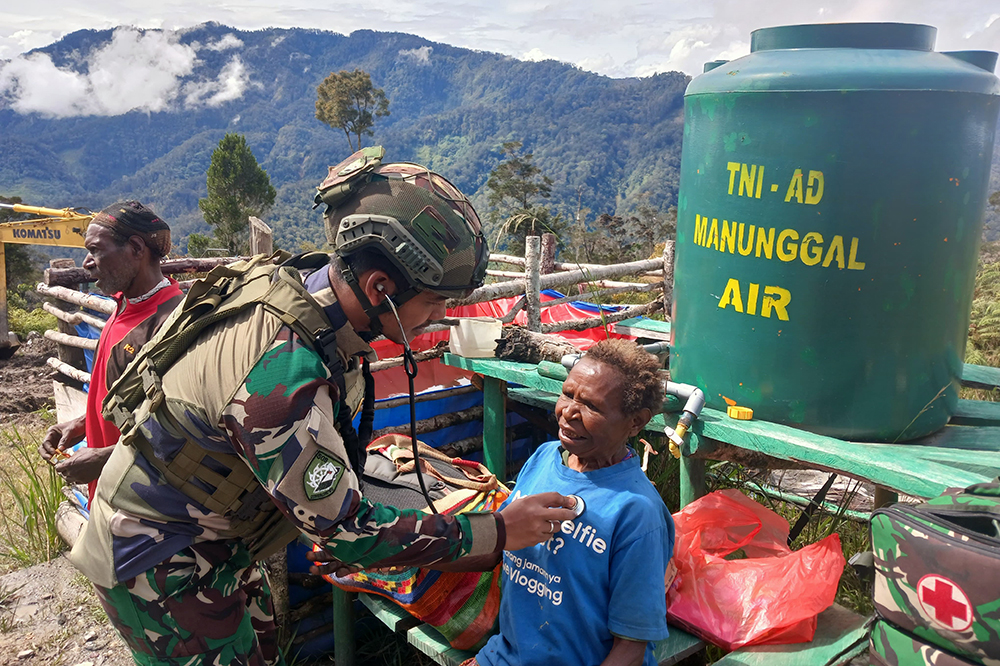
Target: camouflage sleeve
[{"x": 282, "y": 422}]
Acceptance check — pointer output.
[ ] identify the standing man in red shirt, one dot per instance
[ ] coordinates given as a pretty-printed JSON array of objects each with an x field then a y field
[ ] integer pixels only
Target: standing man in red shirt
[{"x": 125, "y": 243}]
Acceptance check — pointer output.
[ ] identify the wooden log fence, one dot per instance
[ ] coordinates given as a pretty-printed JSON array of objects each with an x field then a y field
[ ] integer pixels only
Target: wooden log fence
[
  {"x": 71, "y": 340},
  {"x": 609, "y": 318},
  {"x": 64, "y": 277},
  {"x": 533, "y": 281},
  {"x": 74, "y": 318},
  {"x": 75, "y": 297},
  {"x": 528, "y": 284},
  {"x": 516, "y": 287},
  {"x": 424, "y": 397},
  {"x": 68, "y": 370},
  {"x": 439, "y": 422}
]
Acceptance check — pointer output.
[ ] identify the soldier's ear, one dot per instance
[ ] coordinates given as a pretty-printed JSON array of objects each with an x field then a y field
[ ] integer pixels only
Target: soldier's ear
[{"x": 377, "y": 285}]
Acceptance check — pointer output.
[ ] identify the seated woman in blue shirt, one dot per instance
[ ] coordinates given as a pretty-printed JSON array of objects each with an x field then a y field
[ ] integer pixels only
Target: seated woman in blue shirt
[{"x": 593, "y": 594}]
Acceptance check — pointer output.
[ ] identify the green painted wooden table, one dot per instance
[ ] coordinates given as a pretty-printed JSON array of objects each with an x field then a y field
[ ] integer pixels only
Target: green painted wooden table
[{"x": 966, "y": 451}]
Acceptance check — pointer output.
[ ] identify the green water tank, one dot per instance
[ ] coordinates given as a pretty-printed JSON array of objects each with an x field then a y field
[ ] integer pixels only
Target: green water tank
[{"x": 833, "y": 184}]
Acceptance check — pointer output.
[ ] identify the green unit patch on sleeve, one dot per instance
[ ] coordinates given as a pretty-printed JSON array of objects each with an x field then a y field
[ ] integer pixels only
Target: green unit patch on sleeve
[{"x": 322, "y": 476}]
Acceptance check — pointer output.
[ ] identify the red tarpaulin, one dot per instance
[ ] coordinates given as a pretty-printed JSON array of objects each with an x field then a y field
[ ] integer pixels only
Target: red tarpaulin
[{"x": 433, "y": 373}]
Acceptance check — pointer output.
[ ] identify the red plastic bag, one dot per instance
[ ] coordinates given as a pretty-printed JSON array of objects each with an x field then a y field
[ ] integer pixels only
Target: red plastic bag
[{"x": 772, "y": 596}]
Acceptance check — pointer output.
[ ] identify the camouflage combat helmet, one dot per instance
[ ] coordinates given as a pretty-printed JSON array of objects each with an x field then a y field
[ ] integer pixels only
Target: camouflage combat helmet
[{"x": 414, "y": 217}]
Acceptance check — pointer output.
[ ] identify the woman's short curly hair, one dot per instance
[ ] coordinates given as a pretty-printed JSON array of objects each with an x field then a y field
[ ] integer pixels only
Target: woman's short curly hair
[{"x": 642, "y": 385}]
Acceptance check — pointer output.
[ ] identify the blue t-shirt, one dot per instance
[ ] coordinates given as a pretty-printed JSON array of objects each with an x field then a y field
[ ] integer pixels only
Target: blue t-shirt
[{"x": 601, "y": 574}]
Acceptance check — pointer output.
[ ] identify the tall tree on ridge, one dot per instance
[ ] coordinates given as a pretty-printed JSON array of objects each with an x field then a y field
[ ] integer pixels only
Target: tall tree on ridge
[
  {"x": 515, "y": 185},
  {"x": 349, "y": 101},
  {"x": 237, "y": 189}
]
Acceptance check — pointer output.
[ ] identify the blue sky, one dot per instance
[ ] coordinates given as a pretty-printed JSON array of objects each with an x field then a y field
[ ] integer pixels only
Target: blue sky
[{"x": 623, "y": 38}]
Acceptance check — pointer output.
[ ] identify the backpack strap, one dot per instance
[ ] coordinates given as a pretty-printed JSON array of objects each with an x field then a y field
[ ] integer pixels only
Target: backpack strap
[{"x": 226, "y": 292}]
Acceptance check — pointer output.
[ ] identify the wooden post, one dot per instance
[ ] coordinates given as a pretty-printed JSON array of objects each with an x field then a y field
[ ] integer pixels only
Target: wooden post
[
  {"x": 884, "y": 497},
  {"x": 277, "y": 568},
  {"x": 69, "y": 355},
  {"x": 495, "y": 425},
  {"x": 668, "y": 279},
  {"x": 261, "y": 239},
  {"x": 692, "y": 480},
  {"x": 343, "y": 627},
  {"x": 4, "y": 337},
  {"x": 532, "y": 293},
  {"x": 548, "y": 261}
]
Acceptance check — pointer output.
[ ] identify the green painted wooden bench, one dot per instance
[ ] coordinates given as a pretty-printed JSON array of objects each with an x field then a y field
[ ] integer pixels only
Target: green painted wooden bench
[
  {"x": 428, "y": 640},
  {"x": 964, "y": 452},
  {"x": 840, "y": 636},
  {"x": 642, "y": 327}
]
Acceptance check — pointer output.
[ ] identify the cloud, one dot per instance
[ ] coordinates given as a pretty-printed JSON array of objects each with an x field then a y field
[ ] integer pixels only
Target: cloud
[
  {"x": 230, "y": 84},
  {"x": 136, "y": 71},
  {"x": 420, "y": 56},
  {"x": 537, "y": 55},
  {"x": 228, "y": 41}
]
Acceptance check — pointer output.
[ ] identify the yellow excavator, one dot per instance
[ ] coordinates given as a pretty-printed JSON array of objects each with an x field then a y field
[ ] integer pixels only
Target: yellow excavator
[{"x": 62, "y": 227}]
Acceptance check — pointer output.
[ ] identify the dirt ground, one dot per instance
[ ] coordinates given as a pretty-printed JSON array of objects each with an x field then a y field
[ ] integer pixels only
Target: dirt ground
[
  {"x": 57, "y": 620},
  {"x": 26, "y": 383}
]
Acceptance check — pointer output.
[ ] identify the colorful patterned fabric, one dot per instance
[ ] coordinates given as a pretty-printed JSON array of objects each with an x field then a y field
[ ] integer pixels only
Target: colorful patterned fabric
[
  {"x": 463, "y": 606},
  {"x": 206, "y": 605},
  {"x": 246, "y": 398}
]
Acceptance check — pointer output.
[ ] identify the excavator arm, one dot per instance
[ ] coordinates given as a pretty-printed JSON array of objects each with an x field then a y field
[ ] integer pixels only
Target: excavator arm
[{"x": 64, "y": 227}]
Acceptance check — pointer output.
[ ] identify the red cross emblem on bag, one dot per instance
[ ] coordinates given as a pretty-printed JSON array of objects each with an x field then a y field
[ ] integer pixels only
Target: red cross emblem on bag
[{"x": 945, "y": 602}]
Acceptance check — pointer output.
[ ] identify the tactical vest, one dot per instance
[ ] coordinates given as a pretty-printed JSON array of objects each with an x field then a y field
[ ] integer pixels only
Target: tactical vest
[{"x": 226, "y": 292}]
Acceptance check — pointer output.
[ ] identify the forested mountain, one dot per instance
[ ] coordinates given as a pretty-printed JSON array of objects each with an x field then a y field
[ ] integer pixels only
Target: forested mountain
[{"x": 609, "y": 145}]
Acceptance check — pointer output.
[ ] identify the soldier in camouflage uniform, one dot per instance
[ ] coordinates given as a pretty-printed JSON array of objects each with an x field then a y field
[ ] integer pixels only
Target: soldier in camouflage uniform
[{"x": 175, "y": 572}]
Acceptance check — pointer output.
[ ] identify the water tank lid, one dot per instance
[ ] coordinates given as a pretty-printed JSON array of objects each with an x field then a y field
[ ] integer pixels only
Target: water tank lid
[
  {"x": 907, "y": 36},
  {"x": 867, "y": 57},
  {"x": 712, "y": 64},
  {"x": 986, "y": 60}
]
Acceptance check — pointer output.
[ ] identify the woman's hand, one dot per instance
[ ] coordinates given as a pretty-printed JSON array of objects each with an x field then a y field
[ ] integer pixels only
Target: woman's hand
[{"x": 535, "y": 518}]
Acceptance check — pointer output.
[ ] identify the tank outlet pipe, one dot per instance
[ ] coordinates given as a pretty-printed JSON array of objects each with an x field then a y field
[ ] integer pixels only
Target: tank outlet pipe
[
  {"x": 655, "y": 348},
  {"x": 569, "y": 360},
  {"x": 693, "y": 396},
  {"x": 695, "y": 401}
]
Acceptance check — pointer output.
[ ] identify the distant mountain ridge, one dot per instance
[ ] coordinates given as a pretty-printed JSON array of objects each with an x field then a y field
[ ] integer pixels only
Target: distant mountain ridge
[{"x": 608, "y": 144}]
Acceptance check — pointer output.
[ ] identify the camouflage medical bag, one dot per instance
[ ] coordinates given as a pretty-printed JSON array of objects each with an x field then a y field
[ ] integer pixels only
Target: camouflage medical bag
[
  {"x": 891, "y": 646},
  {"x": 937, "y": 572}
]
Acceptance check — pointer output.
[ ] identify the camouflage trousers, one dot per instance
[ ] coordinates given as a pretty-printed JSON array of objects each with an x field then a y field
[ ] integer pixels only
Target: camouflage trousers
[{"x": 206, "y": 605}]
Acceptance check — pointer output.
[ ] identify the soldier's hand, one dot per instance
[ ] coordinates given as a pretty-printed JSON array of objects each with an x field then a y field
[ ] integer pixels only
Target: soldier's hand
[
  {"x": 535, "y": 518},
  {"x": 85, "y": 465},
  {"x": 328, "y": 565},
  {"x": 61, "y": 436}
]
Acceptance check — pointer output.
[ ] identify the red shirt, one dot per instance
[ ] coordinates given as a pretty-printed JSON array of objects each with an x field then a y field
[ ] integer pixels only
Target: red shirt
[{"x": 124, "y": 334}]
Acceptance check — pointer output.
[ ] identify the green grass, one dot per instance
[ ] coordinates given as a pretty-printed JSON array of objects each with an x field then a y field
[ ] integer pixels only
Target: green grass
[
  {"x": 8, "y": 605},
  {"x": 23, "y": 322},
  {"x": 30, "y": 493}
]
